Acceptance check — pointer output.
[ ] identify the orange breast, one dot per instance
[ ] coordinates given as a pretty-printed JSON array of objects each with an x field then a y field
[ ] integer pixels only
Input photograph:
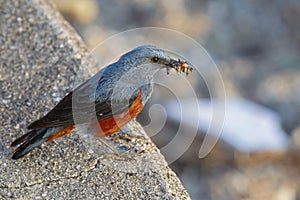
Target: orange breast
[{"x": 115, "y": 123}]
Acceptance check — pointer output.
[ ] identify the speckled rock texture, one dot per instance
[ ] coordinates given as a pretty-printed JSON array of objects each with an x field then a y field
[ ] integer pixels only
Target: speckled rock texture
[{"x": 41, "y": 59}]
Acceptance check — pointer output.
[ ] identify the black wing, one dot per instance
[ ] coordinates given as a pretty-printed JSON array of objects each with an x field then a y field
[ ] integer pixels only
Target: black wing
[{"x": 85, "y": 110}]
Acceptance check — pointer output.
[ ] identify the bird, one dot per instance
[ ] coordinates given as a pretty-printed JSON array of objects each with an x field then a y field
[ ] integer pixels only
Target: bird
[{"x": 105, "y": 102}]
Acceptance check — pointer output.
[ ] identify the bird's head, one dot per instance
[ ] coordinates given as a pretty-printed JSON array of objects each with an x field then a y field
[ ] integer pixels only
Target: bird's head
[{"x": 151, "y": 58}]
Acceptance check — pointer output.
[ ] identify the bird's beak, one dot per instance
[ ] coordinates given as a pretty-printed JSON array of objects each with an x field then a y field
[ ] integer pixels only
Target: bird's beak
[{"x": 178, "y": 63}]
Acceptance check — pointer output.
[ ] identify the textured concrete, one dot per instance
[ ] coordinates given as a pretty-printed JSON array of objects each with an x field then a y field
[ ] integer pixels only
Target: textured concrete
[{"x": 42, "y": 58}]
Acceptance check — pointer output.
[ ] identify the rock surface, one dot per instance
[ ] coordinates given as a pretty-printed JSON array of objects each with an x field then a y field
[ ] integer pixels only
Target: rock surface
[{"x": 42, "y": 58}]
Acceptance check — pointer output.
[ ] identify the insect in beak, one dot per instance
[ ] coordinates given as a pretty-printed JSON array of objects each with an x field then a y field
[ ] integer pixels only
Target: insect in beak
[{"x": 179, "y": 66}]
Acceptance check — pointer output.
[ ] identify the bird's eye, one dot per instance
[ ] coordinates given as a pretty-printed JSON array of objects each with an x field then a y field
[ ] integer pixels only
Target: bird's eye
[{"x": 155, "y": 59}]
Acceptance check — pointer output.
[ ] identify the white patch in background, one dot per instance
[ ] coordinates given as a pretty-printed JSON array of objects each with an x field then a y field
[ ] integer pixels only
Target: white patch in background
[{"x": 248, "y": 127}]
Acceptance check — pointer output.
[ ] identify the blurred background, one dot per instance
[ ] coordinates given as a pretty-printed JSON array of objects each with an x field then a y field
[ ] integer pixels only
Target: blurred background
[{"x": 256, "y": 46}]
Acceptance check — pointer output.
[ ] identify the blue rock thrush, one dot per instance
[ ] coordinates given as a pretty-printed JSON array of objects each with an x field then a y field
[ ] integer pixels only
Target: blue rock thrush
[{"x": 107, "y": 101}]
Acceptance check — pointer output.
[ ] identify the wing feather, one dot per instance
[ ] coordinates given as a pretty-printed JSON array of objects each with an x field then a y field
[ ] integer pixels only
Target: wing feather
[{"x": 85, "y": 109}]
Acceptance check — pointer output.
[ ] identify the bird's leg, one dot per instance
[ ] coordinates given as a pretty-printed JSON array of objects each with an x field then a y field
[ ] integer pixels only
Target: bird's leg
[
  {"x": 94, "y": 129},
  {"x": 123, "y": 130},
  {"x": 126, "y": 131},
  {"x": 108, "y": 146}
]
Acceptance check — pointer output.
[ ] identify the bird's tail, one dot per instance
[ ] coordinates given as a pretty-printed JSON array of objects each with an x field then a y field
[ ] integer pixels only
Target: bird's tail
[{"x": 29, "y": 141}]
